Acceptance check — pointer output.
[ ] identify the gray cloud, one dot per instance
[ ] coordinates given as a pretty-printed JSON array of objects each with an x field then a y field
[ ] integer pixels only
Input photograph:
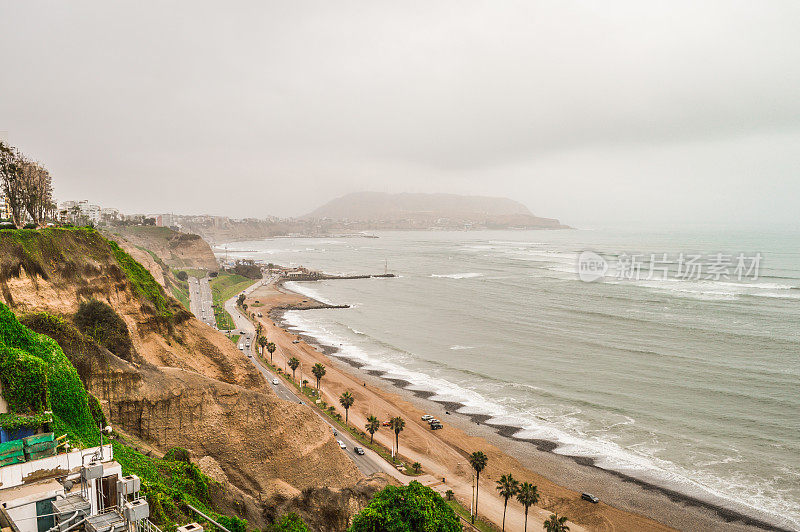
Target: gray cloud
[{"x": 586, "y": 111}]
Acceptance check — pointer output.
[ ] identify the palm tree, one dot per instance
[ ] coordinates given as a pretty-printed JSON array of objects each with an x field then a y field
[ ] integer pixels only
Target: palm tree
[
  {"x": 318, "y": 371},
  {"x": 417, "y": 467},
  {"x": 556, "y": 523},
  {"x": 346, "y": 400},
  {"x": 527, "y": 495},
  {"x": 262, "y": 341},
  {"x": 271, "y": 347},
  {"x": 397, "y": 424},
  {"x": 294, "y": 363},
  {"x": 508, "y": 487},
  {"x": 478, "y": 462},
  {"x": 372, "y": 426}
]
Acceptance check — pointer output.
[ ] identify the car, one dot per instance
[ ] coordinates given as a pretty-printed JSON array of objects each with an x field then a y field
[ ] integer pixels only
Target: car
[
  {"x": 241, "y": 347},
  {"x": 249, "y": 355},
  {"x": 589, "y": 497},
  {"x": 335, "y": 432},
  {"x": 427, "y": 417},
  {"x": 358, "y": 450},
  {"x": 341, "y": 444},
  {"x": 436, "y": 426},
  {"x": 275, "y": 381},
  {"x": 434, "y": 420},
  {"x": 386, "y": 424},
  {"x": 295, "y": 341}
]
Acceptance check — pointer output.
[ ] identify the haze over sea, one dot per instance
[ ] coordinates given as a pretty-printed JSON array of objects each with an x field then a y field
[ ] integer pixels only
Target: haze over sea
[{"x": 689, "y": 384}]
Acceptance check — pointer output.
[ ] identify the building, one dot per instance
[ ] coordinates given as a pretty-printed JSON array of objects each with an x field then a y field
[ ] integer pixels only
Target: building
[
  {"x": 5, "y": 208},
  {"x": 80, "y": 212},
  {"x": 78, "y": 489}
]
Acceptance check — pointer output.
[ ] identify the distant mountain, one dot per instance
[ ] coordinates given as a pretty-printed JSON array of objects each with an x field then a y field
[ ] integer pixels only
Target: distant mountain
[{"x": 377, "y": 210}]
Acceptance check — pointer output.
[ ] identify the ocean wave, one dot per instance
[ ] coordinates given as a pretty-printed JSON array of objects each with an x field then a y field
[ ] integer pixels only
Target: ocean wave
[
  {"x": 460, "y": 347},
  {"x": 457, "y": 275}
]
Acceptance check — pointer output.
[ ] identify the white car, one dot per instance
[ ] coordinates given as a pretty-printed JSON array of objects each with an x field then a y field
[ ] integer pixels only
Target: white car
[
  {"x": 341, "y": 444},
  {"x": 275, "y": 381},
  {"x": 241, "y": 347}
]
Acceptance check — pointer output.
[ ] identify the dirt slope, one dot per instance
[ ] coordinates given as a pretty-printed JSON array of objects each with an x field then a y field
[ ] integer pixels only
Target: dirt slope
[{"x": 177, "y": 250}]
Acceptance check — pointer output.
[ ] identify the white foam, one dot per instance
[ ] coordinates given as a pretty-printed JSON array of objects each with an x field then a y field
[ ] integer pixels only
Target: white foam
[{"x": 457, "y": 275}]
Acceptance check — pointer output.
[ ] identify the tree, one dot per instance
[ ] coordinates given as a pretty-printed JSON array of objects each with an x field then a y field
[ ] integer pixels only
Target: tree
[
  {"x": 318, "y": 371},
  {"x": 556, "y": 524},
  {"x": 412, "y": 508},
  {"x": 346, "y": 400},
  {"x": 37, "y": 189},
  {"x": 182, "y": 276},
  {"x": 417, "y": 467},
  {"x": 11, "y": 175},
  {"x": 372, "y": 426},
  {"x": 527, "y": 495},
  {"x": 240, "y": 300},
  {"x": 507, "y": 486},
  {"x": 478, "y": 462},
  {"x": 271, "y": 347},
  {"x": 294, "y": 363},
  {"x": 290, "y": 522},
  {"x": 397, "y": 424},
  {"x": 449, "y": 494},
  {"x": 262, "y": 341}
]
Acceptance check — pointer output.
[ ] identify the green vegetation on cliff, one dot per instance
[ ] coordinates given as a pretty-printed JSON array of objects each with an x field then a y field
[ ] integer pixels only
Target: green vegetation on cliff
[
  {"x": 142, "y": 280},
  {"x": 38, "y": 377}
]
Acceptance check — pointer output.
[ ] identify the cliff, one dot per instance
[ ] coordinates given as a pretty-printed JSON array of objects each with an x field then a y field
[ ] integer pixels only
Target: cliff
[
  {"x": 176, "y": 249},
  {"x": 186, "y": 385}
]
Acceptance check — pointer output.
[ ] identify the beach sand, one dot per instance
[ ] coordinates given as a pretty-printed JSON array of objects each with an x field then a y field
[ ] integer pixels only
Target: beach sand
[{"x": 626, "y": 504}]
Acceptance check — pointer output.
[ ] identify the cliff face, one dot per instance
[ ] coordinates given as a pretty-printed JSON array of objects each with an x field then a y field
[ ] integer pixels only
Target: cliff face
[
  {"x": 177, "y": 250},
  {"x": 187, "y": 385}
]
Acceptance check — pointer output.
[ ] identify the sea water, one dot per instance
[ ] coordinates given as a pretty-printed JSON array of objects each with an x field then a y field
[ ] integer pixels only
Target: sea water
[{"x": 692, "y": 383}]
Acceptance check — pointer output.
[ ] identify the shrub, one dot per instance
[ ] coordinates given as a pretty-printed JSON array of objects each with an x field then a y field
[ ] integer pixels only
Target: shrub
[
  {"x": 412, "y": 508},
  {"x": 99, "y": 322},
  {"x": 182, "y": 276},
  {"x": 290, "y": 523},
  {"x": 178, "y": 454}
]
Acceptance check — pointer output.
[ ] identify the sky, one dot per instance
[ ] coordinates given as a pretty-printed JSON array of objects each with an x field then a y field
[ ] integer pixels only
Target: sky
[{"x": 661, "y": 113}]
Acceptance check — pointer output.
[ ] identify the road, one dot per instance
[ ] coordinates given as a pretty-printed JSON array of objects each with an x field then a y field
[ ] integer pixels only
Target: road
[
  {"x": 201, "y": 300},
  {"x": 368, "y": 463}
]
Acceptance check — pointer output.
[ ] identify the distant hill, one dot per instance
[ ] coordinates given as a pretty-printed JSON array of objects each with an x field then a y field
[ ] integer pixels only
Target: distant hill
[{"x": 377, "y": 210}]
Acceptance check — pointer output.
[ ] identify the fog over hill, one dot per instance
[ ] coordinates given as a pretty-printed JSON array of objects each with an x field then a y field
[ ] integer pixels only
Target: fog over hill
[{"x": 382, "y": 210}]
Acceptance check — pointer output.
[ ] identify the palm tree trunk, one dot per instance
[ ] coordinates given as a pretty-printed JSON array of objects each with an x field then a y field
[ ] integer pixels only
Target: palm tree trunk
[
  {"x": 505, "y": 507},
  {"x": 526, "y": 519},
  {"x": 346, "y": 411},
  {"x": 477, "y": 492}
]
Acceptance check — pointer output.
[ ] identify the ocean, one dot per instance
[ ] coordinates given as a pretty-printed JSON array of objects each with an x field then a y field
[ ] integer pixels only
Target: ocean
[{"x": 680, "y": 366}]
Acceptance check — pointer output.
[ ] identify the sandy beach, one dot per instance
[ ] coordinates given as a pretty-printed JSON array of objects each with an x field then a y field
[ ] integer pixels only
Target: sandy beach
[{"x": 626, "y": 504}]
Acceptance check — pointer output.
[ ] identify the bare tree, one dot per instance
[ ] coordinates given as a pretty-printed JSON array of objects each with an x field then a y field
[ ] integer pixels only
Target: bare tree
[
  {"x": 37, "y": 188},
  {"x": 12, "y": 182}
]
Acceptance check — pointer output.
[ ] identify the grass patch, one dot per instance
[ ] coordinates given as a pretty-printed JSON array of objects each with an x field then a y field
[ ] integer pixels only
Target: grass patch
[
  {"x": 235, "y": 338},
  {"x": 223, "y": 287},
  {"x": 463, "y": 513},
  {"x": 193, "y": 272}
]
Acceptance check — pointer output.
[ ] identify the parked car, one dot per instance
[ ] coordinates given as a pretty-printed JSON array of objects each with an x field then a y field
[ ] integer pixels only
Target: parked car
[
  {"x": 341, "y": 444},
  {"x": 427, "y": 417},
  {"x": 358, "y": 450},
  {"x": 275, "y": 381},
  {"x": 434, "y": 420},
  {"x": 386, "y": 424},
  {"x": 589, "y": 497},
  {"x": 295, "y": 341},
  {"x": 436, "y": 426}
]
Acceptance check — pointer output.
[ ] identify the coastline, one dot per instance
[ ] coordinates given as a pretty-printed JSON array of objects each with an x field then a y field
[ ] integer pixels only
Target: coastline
[{"x": 625, "y": 492}]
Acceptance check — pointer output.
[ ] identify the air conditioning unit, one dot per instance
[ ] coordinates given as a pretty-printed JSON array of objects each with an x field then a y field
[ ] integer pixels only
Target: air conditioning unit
[
  {"x": 129, "y": 485},
  {"x": 137, "y": 510},
  {"x": 191, "y": 527},
  {"x": 92, "y": 470}
]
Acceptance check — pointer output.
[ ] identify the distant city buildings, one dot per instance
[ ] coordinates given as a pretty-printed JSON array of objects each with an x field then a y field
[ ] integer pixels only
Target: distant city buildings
[{"x": 79, "y": 212}]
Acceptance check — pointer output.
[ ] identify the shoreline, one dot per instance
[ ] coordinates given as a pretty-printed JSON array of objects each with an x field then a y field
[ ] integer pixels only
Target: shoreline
[{"x": 504, "y": 437}]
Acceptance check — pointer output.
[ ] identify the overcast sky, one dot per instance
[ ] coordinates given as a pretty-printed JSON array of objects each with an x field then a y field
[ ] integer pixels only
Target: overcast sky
[{"x": 592, "y": 112}]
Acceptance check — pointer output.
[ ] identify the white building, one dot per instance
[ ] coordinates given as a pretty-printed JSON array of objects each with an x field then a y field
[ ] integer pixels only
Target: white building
[{"x": 5, "y": 208}]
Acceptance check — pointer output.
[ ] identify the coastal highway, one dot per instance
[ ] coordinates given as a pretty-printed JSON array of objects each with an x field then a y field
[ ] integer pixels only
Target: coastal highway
[
  {"x": 201, "y": 300},
  {"x": 368, "y": 463}
]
